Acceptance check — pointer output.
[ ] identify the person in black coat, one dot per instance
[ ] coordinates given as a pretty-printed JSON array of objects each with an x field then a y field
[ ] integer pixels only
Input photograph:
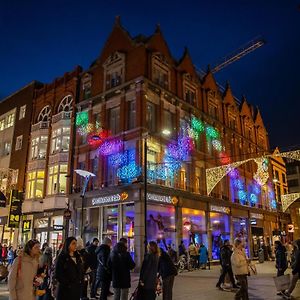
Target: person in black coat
[
  {"x": 148, "y": 275},
  {"x": 167, "y": 271},
  {"x": 281, "y": 258},
  {"x": 103, "y": 276},
  {"x": 121, "y": 263},
  {"x": 225, "y": 261},
  {"x": 68, "y": 272},
  {"x": 91, "y": 249}
]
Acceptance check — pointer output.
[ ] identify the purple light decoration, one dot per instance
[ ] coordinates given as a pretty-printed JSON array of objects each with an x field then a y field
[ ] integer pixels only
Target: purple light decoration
[{"x": 110, "y": 147}]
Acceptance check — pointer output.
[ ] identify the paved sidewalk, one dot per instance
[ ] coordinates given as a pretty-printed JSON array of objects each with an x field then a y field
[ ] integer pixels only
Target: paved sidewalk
[{"x": 201, "y": 285}]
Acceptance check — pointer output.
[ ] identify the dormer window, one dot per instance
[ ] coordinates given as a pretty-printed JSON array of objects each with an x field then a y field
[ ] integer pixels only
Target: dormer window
[
  {"x": 189, "y": 89},
  {"x": 114, "y": 67},
  {"x": 160, "y": 71},
  {"x": 232, "y": 121}
]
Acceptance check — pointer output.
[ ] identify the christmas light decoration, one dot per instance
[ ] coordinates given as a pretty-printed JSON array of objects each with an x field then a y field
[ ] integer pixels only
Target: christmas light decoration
[
  {"x": 217, "y": 145},
  {"x": 181, "y": 149},
  {"x": 253, "y": 198},
  {"x": 288, "y": 199},
  {"x": 262, "y": 174},
  {"x": 211, "y": 132},
  {"x": 129, "y": 172},
  {"x": 197, "y": 126},
  {"x": 82, "y": 118},
  {"x": 214, "y": 175},
  {"x": 97, "y": 139},
  {"x": 291, "y": 154},
  {"x": 110, "y": 147},
  {"x": 224, "y": 158}
]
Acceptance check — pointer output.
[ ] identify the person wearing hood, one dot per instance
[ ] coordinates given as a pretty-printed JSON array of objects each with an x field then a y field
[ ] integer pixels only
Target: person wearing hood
[
  {"x": 23, "y": 272},
  {"x": 45, "y": 264},
  {"x": 295, "y": 269},
  {"x": 91, "y": 249},
  {"x": 68, "y": 272},
  {"x": 167, "y": 271},
  {"x": 103, "y": 276},
  {"x": 120, "y": 263}
]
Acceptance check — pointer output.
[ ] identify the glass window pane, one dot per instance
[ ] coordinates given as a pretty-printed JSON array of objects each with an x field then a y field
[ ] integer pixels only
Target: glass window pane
[
  {"x": 62, "y": 183},
  {"x": 63, "y": 168}
]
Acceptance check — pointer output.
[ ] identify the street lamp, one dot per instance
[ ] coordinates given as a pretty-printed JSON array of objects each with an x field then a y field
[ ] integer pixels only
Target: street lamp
[{"x": 86, "y": 175}]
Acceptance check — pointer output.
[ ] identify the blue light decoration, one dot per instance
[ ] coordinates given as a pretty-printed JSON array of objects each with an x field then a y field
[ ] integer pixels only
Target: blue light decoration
[
  {"x": 181, "y": 149},
  {"x": 129, "y": 171},
  {"x": 254, "y": 191},
  {"x": 237, "y": 187},
  {"x": 271, "y": 196}
]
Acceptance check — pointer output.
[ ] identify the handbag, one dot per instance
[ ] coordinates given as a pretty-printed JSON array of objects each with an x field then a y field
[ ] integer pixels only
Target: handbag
[
  {"x": 136, "y": 294},
  {"x": 282, "y": 282}
]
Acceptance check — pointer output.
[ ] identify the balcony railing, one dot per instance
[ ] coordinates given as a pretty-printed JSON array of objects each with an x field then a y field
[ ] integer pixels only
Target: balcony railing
[
  {"x": 64, "y": 115},
  {"x": 40, "y": 125}
]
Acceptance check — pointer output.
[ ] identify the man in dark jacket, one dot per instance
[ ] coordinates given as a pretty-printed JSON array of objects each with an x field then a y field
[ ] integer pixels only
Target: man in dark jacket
[
  {"x": 167, "y": 271},
  {"x": 225, "y": 261},
  {"x": 121, "y": 263},
  {"x": 91, "y": 249},
  {"x": 103, "y": 275},
  {"x": 281, "y": 261}
]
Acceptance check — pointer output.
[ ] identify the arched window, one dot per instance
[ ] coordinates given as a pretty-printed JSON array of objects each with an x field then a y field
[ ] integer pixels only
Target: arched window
[
  {"x": 66, "y": 104},
  {"x": 45, "y": 114}
]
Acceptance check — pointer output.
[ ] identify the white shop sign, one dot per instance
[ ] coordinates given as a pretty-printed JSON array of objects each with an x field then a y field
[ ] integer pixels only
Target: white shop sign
[
  {"x": 221, "y": 209},
  {"x": 256, "y": 216},
  {"x": 159, "y": 198}
]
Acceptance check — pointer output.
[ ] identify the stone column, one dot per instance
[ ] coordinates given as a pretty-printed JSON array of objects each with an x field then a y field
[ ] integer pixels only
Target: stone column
[
  {"x": 178, "y": 223},
  {"x": 209, "y": 235}
]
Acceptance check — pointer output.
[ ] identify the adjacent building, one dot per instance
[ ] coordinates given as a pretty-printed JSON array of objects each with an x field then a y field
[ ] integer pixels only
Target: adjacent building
[{"x": 15, "y": 123}]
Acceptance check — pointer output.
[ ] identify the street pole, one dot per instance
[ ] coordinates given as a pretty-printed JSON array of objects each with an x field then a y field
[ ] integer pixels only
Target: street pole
[{"x": 145, "y": 192}]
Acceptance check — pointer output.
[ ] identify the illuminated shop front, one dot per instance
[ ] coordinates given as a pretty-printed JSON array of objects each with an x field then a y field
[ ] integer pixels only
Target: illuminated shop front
[
  {"x": 194, "y": 227},
  {"x": 220, "y": 228}
]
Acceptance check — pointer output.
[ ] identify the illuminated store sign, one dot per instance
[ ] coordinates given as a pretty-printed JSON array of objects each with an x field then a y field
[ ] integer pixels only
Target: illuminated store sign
[
  {"x": 159, "y": 198},
  {"x": 256, "y": 216},
  {"x": 221, "y": 209}
]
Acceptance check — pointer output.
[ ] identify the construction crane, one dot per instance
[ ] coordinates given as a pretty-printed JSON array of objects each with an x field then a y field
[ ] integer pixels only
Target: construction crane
[{"x": 239, "y": 53}]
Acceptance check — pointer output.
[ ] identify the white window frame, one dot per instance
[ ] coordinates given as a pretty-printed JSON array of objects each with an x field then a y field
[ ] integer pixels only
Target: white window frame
[
  {"x": 55, "y": 176},
  {"x": 19, "y": 142},
  {"x": 22, "y": 112},
  {"x": 31, "y": 184},
  {"x": 60, "y": 139}
]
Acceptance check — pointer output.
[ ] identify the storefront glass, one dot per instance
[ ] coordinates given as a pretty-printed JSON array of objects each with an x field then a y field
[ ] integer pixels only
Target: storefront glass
[
  {"x": 193, "y": 227},
  {"x": 220, "y": 231},
  {"x": 110, "y": 223},
  {"x": 128, "y": 226},
  {"x": 161, "y": 224},
  {"x": 91, "y": 217},
  {"x": 240, "y": 231}
]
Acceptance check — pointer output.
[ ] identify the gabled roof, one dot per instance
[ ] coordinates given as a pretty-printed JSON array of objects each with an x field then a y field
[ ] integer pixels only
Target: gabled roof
[
  {"x": 245, "y": 109},
  {"x": 157, "y": 43},
  {"x": 209, "y": 81},
  {"x": 278, "y": 158},
  {"x": 259, "y": 121},
  {"x": 186, "y": 64},
  {"x": 228, "y": 97}
]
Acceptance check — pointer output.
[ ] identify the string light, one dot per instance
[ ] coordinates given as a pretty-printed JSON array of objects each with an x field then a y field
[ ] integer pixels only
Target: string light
[
  {"x": 211, "y": 132},
  {"x": 262, "y": 175},
  {"x": 288, "y": 199},
  {"x": 129, "y": 172},
  {"x": 217, "y": 145},
  {"x": 110, "y": 147}
]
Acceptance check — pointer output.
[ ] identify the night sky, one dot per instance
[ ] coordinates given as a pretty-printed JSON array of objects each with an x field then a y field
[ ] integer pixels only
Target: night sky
[{"x": 41, "y": 40}]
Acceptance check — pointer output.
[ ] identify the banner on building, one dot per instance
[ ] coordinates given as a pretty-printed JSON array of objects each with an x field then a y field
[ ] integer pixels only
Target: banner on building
[{"x": 15, "y": 210}]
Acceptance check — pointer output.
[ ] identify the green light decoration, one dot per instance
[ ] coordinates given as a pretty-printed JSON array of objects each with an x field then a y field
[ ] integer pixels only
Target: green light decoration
[
  {"x": 212, "y": 133},
  {"x": 82, "y": 118},
  {"x": 197, "y": 125}
]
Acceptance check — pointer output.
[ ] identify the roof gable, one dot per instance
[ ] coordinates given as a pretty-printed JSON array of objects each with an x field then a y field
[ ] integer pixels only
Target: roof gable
[
  {"x": 228, "y": 97},
  {"x": 186, "y": 64},
  {"x": 209, "y": 81}
]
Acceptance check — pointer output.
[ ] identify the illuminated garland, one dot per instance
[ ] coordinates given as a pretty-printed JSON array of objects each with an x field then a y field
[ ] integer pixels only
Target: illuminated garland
[
  {"x": 110, "y": 147},
  {"x": 82, "y": 118},
  {"x": 129, "y": 171},
  {"x": 288, "y": 199},
  {"x": 262, "y": 174}
]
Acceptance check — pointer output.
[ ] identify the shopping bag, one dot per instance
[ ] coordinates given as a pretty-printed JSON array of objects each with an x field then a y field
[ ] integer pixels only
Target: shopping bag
[
  {"x": 252, "y": 269},
  {"x": 282, "y": 282}
]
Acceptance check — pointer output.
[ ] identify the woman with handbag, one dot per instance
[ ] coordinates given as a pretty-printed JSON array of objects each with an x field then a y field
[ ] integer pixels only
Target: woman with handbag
[
  {"x": 240, "y": 269},
  {"x": 68, "y": 272},
  {"x": 23, "y": 273}
]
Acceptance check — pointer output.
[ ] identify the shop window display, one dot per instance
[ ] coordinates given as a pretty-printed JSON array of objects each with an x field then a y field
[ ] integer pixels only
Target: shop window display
[
  {"x": 128, "y": 226},
  {"x": 220, "y": 231},
  {"x": 110, "y": 223},
  {"x": 193, "y": 227},
  {"x": 161, "y": 224},
  {"x": 240, "y": 231},
  {"x": 91, "y": 221}
]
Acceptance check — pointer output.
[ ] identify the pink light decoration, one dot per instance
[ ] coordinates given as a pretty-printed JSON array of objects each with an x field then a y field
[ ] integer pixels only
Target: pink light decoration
[
  {"x": 110, "y": 147},
  {"x": 224, "y": 158}
]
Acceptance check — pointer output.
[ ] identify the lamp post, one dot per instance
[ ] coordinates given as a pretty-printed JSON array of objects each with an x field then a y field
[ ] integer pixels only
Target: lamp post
[{"x": 86, "y": 175}]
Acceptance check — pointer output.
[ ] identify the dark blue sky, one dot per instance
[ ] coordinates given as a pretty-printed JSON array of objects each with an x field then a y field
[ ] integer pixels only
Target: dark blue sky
[{"x": 43, "y": 39}]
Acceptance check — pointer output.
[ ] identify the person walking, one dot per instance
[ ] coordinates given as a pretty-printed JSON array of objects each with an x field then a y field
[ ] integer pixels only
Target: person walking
[
  {"x": 182, "y": 249},
  {"x": 240, "y": 269},
  {"x": 148, "y": 275},
  {"x": 120, "y": 263},
  {"x": 103, "y": 275},
  {"x": 23, "y": 272},
  {"x": 68, "y": 271},
  {"x": 167, "y": 271},
  {"x": 10, "y": 255},
  {"x": 281, "y": 261},
  {"x": 91, "y": 249},
  {"x": 225, "y": 261},
  {"x": 295, "y": 269},
  {"x": 203, "y": 256},
  {"x": 193, "y": 253},
  {"x": 45, "y": 264}
]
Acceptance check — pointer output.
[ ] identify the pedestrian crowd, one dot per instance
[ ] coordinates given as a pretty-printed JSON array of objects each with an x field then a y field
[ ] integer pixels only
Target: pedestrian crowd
[{"x": 97, "y": 271}]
